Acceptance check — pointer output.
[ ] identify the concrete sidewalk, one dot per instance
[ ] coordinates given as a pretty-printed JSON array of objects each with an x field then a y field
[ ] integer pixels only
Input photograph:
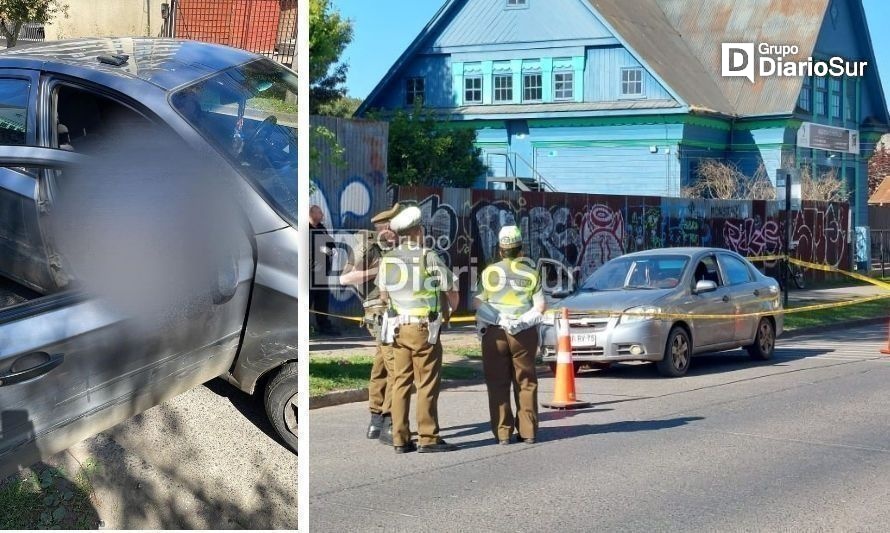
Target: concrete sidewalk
[{"x": 459, "y": 340}]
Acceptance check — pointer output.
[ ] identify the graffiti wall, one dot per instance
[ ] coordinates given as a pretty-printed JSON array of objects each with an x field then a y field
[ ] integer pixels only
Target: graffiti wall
[
  {"x": 584, "y": 231},
  {"x": 349, "y": 188}
]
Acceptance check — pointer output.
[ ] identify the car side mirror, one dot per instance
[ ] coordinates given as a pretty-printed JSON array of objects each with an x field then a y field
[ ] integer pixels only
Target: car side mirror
[
  {"x": 561, "y": 293},
  {"x": 704, "y": 285}
]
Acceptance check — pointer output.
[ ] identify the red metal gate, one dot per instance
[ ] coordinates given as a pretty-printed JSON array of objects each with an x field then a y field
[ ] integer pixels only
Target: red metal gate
[{"x": 267, "y": 27}]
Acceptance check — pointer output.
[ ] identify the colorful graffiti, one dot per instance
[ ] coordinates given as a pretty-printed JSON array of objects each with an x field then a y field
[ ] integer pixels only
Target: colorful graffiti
[{"x": 584, "y": 231}]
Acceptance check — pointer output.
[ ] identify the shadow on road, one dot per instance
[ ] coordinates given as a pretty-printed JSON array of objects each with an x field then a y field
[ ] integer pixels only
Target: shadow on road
[
  {"x": 708, "y": 363},
  {"x": 251, "y": 407},
  {"x": 629, "y": 426}
]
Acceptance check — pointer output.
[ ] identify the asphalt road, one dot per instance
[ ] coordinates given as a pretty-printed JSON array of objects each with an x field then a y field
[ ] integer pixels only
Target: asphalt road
[
  {"x": 801, "y": 442},
  {"x": 205, "y": 459}
]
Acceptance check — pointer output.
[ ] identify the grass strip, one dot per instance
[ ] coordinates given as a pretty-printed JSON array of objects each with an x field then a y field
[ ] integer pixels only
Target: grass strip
[{"x": 352, "y": 372}]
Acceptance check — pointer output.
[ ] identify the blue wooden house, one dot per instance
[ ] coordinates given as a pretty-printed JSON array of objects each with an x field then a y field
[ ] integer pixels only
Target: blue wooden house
[{"x": 627, "y": 96}]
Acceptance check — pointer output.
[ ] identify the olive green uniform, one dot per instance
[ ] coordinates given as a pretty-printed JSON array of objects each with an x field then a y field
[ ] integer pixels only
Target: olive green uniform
[
  {"x": 512, "y": 286},
  {"x": 367, "y": 256},
  {"x": 413, "y": 277}
]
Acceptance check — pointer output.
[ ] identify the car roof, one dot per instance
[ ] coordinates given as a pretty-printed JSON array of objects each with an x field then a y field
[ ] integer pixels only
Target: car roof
[
  {"x": 166, "y": 63},
  {"x": 690, "y": 251}
]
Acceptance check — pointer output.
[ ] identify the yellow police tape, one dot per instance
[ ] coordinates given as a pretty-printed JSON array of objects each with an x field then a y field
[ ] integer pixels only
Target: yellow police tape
[{"x": 794, "y": 310}]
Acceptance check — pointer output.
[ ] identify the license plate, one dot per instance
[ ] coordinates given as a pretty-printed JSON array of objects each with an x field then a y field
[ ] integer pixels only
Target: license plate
[{"x": 583, "y": 339}]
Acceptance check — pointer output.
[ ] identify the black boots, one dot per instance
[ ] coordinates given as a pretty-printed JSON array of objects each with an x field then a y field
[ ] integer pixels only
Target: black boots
[
  {"x": 380, "y": 428},
  {"x": 386, "y": 431},
  {"x": 375, "y": 426}
]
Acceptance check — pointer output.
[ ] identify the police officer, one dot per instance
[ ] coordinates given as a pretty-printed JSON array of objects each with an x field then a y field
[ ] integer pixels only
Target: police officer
[
  {"x": 410, "y": 279},
  {"x": 511, "y": 305},
  {"x": 361, "y": 272}
]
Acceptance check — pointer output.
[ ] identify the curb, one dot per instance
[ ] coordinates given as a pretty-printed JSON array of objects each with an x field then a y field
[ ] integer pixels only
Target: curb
[
  {"x": 832, "y": 327},
  {"x": 361, "y": 395}
]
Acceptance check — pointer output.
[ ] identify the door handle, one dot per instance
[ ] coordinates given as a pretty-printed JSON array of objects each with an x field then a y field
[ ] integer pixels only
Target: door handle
[
  {"x": 725, "y": 297},
  {"x": 12, "y": 378}
]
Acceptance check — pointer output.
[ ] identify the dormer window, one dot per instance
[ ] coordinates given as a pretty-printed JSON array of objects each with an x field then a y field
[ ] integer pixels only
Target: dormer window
[
  {"x": 414, "y": 91},
  {"x": 517, "y": 4},
  {"x": 632, "y": 82}
]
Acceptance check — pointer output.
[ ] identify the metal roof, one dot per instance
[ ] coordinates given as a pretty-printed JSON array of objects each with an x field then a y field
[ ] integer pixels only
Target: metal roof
[
  {"x": 649, "y": 35},
  {"x": 167, "y": 63},
  {"x": 679, "y": 41},
  {"x": 705, "y": 24}
]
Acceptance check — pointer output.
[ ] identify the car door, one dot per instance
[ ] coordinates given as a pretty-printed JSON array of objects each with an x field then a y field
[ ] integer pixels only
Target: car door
[
  {"x": 745, "y": 294},
  {"x": 711, "y": 331},
  {"x": 71, "y": 365},
  {"x": 23, "y": 256}
]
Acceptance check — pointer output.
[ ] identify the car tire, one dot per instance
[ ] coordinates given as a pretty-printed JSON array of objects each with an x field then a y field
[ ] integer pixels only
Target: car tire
[
  {"x": 280, "y": 399},
  {"x": 677, "y": 354},
  {"x": 764, "y": 342}
]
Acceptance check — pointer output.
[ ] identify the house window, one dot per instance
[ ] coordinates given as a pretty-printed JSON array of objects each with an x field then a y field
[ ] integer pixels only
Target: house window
[
  {"x": 533, "y": 88},
  {"x": 563, "y": 85},
  {"x": 503, "y": 88},
  {"x": 631, "y": 82},
  {"x": 513, "y": 4},
  {"x": 473, "y": 90},
  {"x": 821, "y": 98},
  {"x": 835, "y": 85},
  {"x": 414, "y": 91},
  {"x": 803, "y": 101},
  {"x": 850, "y": 100}
]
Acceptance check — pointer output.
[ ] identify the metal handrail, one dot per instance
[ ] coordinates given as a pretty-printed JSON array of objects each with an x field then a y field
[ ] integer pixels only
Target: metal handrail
[{"x": 510, "y": 159}]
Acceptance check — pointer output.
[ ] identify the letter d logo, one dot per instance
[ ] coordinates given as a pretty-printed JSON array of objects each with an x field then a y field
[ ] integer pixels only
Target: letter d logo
[{"x": 737, "y": 59}]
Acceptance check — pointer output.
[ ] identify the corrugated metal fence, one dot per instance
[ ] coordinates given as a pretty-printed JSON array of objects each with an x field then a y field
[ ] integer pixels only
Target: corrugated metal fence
[
  {"x": 580, "y": 232},
  {"x": 266, "y": 27}
]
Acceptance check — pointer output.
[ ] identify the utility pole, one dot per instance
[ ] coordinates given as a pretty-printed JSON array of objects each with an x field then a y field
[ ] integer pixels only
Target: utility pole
[{"x": 786, "y": 278}]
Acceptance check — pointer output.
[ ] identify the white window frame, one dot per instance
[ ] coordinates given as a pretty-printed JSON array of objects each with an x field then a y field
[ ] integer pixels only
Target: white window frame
[
  {"x": 540, "y": 87},
  {"x": 516, "y": 4},
  {"x": 642, "y": 82},
  {"x": 571, "y": 95},
  {"x": 474, "y": 77},
  {"x": 495, "y": 88},
  {"x": 411, "y": 90}
]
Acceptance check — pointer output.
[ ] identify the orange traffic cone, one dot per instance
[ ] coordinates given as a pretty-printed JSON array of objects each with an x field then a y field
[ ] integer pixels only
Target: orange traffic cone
[
  {"x": 564, "y": 386},
  {"x": 886, "y": 351}
]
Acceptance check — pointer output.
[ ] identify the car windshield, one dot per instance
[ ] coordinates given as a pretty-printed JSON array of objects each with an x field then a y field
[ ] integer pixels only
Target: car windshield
[
  {"x": 638, "y": 273},
  {"x": 249, "y": 113}
]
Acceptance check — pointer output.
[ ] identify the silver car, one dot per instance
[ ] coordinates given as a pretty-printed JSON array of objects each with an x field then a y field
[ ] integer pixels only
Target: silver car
[
  {"x": 644, "y": 307},
  {"x": 129, "y": 275}
]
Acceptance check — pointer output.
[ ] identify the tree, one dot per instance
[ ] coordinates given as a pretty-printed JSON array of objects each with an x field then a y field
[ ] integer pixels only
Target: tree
[
  {"x": 15, "y": 13},
  {"x": 878, "y": 168},
  {"x": 329, "y": 34},
  {"x": 342, "y": 107},
  {"x": 725, "y": 181},
  {"x": 426, "y": 151}
]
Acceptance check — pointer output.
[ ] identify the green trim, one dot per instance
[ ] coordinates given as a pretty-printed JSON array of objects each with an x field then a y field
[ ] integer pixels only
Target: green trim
[
  {"x": 769, "y": 123},
  {"x": 584, "y": 143},
  {"x": 708, "y": 122},
  {"x": 631, "y": 120}
]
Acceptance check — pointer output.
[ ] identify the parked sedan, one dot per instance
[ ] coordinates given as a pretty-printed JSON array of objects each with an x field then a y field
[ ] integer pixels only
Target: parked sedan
[
  {"x": 129, "y": 275},
  {"x": 644, "y": 306}
]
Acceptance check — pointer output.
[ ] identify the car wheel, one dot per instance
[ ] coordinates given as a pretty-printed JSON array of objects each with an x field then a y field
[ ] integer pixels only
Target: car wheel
[
  {"x": 764, "y": 342},
  {"x": 280, "y": 398},
  {"x": 677, "y": 354}
]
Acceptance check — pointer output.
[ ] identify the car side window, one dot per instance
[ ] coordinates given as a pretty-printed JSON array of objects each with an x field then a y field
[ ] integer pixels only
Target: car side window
[
  {"x": 14, "y": 96},
  {"x": 87, "y": 122},
  {"x": 737, "y": 272},
  {"x": 707, "y": 270}
]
